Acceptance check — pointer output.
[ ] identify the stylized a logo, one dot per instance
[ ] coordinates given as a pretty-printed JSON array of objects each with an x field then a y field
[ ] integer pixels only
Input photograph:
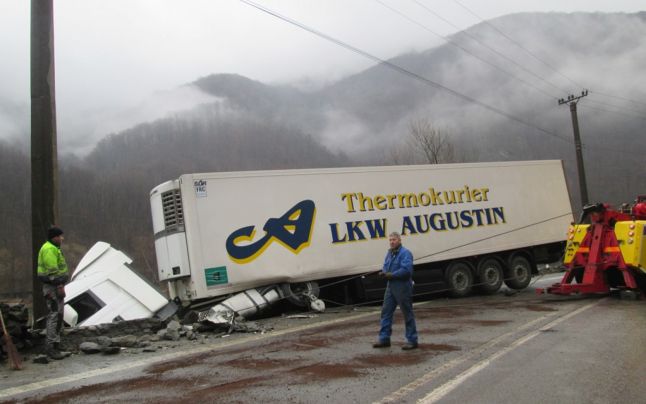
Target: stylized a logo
[{"x": 293, "y": 230}]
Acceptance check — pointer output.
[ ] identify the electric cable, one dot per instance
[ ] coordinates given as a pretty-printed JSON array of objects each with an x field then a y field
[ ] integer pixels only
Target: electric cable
[
  {"x": 532, "y": 54},
  {"x": 490, "y": 48},
  {"x": 624, "y": 111},
  {"x": 512, "y": 40},
  {"x": 404, "y": 71},
  {"x": 372, "y": 272},
  {"x": 618, "y": 97},
  {"x": 612, "y": 112},
  {"x": 457, "y": 45}
]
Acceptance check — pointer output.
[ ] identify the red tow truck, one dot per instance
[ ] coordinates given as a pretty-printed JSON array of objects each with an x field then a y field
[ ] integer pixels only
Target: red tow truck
[{"x": 608, "y": 253}]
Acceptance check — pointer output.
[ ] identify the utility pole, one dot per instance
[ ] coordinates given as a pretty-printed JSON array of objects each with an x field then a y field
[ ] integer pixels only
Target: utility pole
[
  {"x": 44, "y": 165},
  {"x": 583, "y": 188}
]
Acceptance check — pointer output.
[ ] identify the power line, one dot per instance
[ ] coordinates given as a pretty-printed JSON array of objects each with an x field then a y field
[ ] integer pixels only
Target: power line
[
  {"x": 614, "y": 112},
  {"x": 617, "y": 97},
  {"x": 517, "y": 43},
  {"x": 509, "y": 38},
  {"x": 455, "y": 44},
  {"x": 404, "y": 71},
  {"x": 605, "y": 104},
  {"x": 426, "y": 81},
  {"x": 482, "y": 43}
]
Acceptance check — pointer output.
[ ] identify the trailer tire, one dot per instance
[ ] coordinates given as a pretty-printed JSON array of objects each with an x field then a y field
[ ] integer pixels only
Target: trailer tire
[
  {"x": 519, "y": 273},
  {"x": 293, "y": 292},
  {"x": 490, "y": 275},
  {"x": 459, "y": 278}
]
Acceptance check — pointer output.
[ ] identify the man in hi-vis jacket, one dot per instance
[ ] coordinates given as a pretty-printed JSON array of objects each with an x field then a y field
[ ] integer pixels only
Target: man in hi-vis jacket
[
  {"x": 54, "y": 274},
  {"x": 398, "y": 270}
]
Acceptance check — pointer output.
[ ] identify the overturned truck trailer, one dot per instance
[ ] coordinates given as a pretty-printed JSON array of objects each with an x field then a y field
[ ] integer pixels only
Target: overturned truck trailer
[{"x": 293, "y": 230}]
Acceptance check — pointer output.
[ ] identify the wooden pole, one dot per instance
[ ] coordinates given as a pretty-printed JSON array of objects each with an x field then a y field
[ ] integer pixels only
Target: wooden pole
[{"x": 44, "y": 167}]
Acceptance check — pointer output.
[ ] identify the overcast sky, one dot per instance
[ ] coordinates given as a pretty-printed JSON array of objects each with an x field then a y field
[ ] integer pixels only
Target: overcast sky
[{"x": 113, "y": 55}]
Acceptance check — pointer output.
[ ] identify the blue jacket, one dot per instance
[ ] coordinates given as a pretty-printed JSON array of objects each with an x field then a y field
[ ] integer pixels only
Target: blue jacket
[{"x": 399, "y": 263}]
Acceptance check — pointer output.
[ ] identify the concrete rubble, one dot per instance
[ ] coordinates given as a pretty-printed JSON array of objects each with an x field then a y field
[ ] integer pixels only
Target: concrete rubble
[
  {"x": 134, "y": 336},
  {"x": 109, "y": 309}
]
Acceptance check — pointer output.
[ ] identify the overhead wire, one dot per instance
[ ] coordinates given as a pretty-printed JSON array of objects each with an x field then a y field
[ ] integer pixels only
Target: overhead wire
[
  {"x": 612, "y": 112},
  {"x": 512, "y": 40},
  {"x": 532, "y": 54},
  {"x": 518, "y": 44},
  {"x": 625, "y": 111},
  {"x": 457, "y": 45},
  {"x": 424, "y": 80},
  {"x": 404, "y": 71},
  {"x": 618, "y": 97},
  {"x": 374, "y": 271},
  {"x": 490, "y": 48}
]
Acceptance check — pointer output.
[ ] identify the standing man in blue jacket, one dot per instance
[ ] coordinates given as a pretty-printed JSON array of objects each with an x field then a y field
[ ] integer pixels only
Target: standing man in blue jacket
[{"x": 398, "y": 270}]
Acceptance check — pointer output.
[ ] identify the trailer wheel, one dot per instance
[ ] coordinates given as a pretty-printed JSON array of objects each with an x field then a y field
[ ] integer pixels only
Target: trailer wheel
[
  {"x": 519, "y": 273},
  {"x": 294, "y": 292},
  {"x": 459, "y": 278},
  {"x": 490, "y": 275}
]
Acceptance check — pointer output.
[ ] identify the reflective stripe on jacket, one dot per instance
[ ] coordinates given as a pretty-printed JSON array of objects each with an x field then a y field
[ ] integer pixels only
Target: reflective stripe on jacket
[{"x": 51, "y": 261}]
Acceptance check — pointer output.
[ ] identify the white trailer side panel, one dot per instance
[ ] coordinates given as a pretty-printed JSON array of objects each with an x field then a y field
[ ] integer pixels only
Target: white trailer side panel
[{"x": 442, "y": 211}]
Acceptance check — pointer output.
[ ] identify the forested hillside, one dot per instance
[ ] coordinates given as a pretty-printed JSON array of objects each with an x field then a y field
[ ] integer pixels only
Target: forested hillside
[{"x": 497, "y": 111}]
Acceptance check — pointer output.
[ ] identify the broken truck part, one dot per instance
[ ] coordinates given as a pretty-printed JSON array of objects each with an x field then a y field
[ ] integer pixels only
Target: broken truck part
[
  {"x": 608, "y": 253},
  {"x": 468, "y": 225},
  {"x": 104, "y": 289},
  {"x": 253, "y": 301}
]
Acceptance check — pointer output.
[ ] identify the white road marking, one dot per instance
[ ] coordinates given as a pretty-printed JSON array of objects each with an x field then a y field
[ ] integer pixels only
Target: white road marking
[
  {"x": 416, "y": 384},
  {"x": 27, "y": 388},
  {"x": 446, "y": 388}
]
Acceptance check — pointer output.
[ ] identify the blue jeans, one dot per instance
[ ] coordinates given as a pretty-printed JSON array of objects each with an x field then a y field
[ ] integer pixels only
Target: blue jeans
[{"x": 398, "y": 293}]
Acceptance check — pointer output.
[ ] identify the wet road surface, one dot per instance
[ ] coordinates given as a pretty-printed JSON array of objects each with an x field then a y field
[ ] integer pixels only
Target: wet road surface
[{"x": 520, "y": 348}]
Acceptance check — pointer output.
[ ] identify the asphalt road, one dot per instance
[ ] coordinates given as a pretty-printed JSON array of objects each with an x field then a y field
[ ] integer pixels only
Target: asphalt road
[{"x": 482, "y": 349}]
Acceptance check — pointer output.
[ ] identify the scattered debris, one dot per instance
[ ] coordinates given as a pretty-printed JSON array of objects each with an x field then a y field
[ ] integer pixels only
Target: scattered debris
[
  {"x": 42, "y": 359},
  {"x": 104, "y": 341},
  {"x": 253, "y": 301},
  {"x": 126, "y": 341},
  {"x": 90, "y": 348},
  {"x": 110, "y": 350}
]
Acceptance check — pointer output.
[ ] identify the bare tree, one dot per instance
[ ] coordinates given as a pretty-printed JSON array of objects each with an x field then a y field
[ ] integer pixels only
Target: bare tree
[{"x": 431, "y": 142}]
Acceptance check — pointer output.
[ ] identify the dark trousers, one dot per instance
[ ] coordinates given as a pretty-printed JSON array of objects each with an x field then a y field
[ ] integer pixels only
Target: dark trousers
[
  {"x": 398, "y": 293},
  {"x": 55, "y": 306}
]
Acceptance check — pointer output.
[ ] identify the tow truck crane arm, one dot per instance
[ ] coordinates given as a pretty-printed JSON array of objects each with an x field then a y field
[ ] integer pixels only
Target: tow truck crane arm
[{"x": 609, "y": 253}]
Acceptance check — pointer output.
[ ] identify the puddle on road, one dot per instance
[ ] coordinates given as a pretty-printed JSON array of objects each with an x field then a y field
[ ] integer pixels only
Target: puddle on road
[
  {"x": 94, "y": 391},
  {"x": 443, "y": 312},
  {"x": 538, "y": 307},
  {"x": 259, "y": 363},
  {"x": 438, "y": 331},
  {"x": 326, "y": 371},
  {"x": 440, "y": 347},
  {"x": 218, "y": 390}
]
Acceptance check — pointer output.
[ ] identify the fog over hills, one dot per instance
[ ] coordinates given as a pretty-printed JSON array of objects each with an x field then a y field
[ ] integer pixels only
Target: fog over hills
[
  {"x": 242, "y": 124},
  {"x": 366, "y": 114}
]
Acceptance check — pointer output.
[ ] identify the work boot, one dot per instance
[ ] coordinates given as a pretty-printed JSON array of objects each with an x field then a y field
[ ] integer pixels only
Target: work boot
[
  {"x": 409, "y": 345},
  {"x": 381, "y": 344},
  {"x": 58, "y": 347},
  {"x": 54, "y": 353}
]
